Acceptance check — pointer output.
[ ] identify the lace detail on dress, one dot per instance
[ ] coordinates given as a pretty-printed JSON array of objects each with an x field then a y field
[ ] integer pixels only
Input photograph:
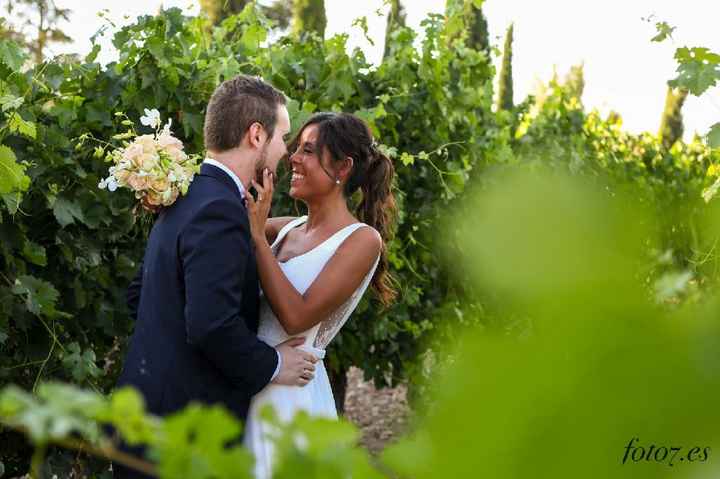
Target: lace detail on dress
[{"x": 332, "y": 325}]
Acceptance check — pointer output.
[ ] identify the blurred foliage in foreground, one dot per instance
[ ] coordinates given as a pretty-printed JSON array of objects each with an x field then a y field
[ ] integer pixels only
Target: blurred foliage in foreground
[{"x": 605, "y": 374}]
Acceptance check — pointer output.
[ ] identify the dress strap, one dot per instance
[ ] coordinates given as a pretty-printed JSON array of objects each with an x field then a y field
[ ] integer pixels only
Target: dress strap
[
  {"x": 338, "y": 238},
  {"x": 286, "y": 229}
]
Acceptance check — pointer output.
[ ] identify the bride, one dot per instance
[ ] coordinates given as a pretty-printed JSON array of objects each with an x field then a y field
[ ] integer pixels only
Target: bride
[{"x": 314, "y": 269}]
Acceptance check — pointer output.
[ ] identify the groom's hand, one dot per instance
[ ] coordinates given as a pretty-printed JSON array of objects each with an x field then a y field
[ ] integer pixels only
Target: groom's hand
[{"x": 298, "y": 366}]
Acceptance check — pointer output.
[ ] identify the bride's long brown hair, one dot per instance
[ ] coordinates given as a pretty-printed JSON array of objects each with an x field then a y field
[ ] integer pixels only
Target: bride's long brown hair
[{"x": 343, "y": 135}]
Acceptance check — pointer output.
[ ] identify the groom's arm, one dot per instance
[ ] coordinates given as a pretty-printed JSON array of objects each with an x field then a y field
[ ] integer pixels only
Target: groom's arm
[{"x": 215, "y": 249}]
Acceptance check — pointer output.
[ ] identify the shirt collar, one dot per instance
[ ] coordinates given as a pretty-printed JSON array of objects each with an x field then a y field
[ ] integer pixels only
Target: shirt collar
[{"x": 229, "y": 172}]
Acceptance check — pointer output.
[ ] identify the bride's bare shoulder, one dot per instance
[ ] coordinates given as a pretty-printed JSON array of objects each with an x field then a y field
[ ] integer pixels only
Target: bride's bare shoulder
[{"x": 274, "y": 225}]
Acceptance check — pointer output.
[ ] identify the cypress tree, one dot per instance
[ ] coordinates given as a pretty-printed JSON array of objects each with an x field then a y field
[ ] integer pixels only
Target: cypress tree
[
  {"x": 575, "y": 81},
  {"x": 671, "y": 123},
  {"x": 395, "y": 19},
  {"x": 308, "y": 15},
  {"x": 219, "y": 10},
  {"x": 505, "y": 88},
  {"x": 473, "y": 23},
  {"x": 478, "y": 34}
]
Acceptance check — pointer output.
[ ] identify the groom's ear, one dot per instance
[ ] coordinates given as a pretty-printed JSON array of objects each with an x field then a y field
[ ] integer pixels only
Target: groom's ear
[{"x": 257, "y": 136}]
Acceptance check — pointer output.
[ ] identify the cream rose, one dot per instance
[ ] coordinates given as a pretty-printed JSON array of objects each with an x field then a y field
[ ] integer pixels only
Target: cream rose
[
  {"x": 159, "y": 184},
  {"x": 138, "y": 182}
]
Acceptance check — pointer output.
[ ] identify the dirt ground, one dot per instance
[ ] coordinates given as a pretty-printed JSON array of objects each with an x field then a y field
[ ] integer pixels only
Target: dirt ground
[{"x": 382, "y": 415}]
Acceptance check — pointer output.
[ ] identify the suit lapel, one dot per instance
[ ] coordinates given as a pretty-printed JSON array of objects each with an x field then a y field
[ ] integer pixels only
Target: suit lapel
[{"x": 221, "y": 176}]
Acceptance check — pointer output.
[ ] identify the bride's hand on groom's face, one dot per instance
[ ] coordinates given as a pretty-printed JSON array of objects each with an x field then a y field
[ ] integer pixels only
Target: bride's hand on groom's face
[{"x": 259, "y": 209}]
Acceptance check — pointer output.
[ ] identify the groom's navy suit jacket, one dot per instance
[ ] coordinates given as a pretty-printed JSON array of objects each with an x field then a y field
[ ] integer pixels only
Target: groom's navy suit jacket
[{"x": 196, "y": 304}]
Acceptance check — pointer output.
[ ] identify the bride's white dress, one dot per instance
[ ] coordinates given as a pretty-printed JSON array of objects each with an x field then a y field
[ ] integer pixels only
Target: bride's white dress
[{"x": 316, "y": 397}]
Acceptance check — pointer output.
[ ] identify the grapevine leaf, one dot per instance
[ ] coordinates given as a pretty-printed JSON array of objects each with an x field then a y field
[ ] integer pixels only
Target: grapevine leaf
[
  {"x": 40, "y": 296},
  {"x": 664, "y": 32},
  {"x": 66, "y": 211},
  {"x": 698, "y": 70},
  {"x": 35, "y": 253},
  {"x": 12, "y": 174},
  {"x": 17, "y": 124},
  {"x": 12, "y": 55}
]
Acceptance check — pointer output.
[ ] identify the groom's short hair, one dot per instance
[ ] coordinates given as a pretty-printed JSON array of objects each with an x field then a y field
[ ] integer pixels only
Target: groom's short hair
[{"x": 234, "y": 106}]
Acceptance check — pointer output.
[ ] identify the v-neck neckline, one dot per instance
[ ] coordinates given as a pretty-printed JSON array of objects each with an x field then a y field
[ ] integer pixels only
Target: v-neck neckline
[{"x": 282, "y": 240}]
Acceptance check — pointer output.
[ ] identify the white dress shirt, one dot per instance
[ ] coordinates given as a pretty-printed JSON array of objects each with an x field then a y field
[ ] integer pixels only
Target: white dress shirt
[{"x": 241, "y": 188}]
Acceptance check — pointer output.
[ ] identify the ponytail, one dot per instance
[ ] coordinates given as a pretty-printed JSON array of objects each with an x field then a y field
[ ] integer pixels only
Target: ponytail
[{"x": 378, "y": 209}]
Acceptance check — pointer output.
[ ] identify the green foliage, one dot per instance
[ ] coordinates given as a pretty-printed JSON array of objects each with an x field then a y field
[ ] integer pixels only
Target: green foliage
[
  {"x": 698, "y": 70},
  {"x": 192, "y": 443},
  {"x": 602, "y": 368},
  {"x": 555, "y": 132},
  {"x": 602, "y": 365}
]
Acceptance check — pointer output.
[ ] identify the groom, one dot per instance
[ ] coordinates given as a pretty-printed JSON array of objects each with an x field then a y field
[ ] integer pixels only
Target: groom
[{"x": 195, "y": 299}]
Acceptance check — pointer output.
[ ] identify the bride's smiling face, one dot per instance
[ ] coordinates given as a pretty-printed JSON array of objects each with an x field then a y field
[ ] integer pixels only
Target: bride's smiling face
[{"x": 309, "y": 178}]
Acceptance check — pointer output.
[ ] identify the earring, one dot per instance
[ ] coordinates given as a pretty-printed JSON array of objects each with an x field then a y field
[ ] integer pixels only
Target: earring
[{"x": 337, "y": 181}]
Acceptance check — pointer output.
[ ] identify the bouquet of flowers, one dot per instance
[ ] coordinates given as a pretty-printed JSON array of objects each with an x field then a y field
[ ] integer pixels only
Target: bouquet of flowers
[{"x": 154, "y": 166}]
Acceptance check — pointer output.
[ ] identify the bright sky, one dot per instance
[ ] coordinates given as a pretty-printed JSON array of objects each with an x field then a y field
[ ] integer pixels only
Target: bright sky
[{"x": 624, "y": 71}]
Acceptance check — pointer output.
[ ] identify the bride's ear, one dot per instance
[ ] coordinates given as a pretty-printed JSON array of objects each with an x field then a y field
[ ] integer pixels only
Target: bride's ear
[{"x": 347, "y": 167}]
